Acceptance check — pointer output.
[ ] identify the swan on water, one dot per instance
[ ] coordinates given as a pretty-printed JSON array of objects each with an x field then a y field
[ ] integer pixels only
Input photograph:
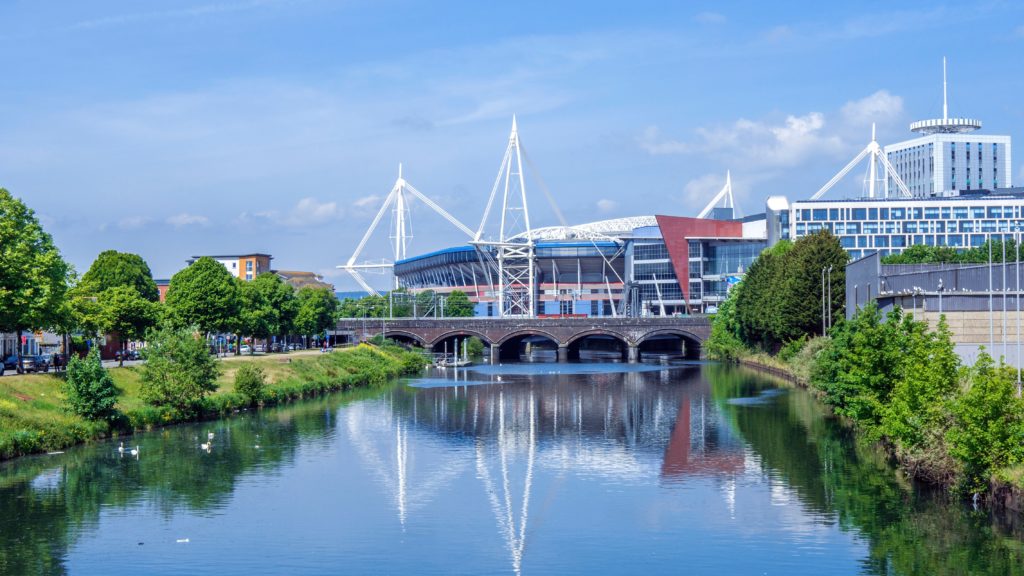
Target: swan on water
[
  {"x": 120, "y": 448},
  {"x": 134, "y": 451}
]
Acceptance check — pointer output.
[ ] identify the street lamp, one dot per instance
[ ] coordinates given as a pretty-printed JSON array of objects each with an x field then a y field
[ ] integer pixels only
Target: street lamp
[
  {"x": 829, "y": 301},
  {"x": 940, "y": 298},
  {"x": 823, "y": 300}
]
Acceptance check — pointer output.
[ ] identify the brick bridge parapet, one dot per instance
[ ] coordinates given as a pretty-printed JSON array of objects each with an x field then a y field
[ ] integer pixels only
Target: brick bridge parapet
[{"x": 563, "y": 331}]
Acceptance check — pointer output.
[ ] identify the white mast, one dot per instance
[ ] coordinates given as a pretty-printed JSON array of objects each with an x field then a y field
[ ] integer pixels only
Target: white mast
[
  {"x": 400, "y": 232},
  {"x": 724, "y": 196},
  {"x": 873, "y": 151},
  {"x": 945, "y": 101},
  {"x": 515, "y": 245}
]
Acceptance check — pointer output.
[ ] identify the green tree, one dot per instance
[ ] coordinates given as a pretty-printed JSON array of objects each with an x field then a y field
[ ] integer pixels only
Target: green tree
[
  {"x": 425, "y": 303},
  {"x": 204, "y": 295},
  {"x": 124, "y": 312},
  {"x": 33, "y": 276},
  {"x": 758, "y": 303},
  {"x": 250, "y": 382},
  {"x": 988, "y": 430},
  {"x": 317, "y": 310},
  {"x": 458, "y": 305},
  {"x": 112, "y": 269},
  {"x": 799, "y": 312},
  {"x": 89, "y": 390},
  {"x": 725, "y": 343},
  {"x": 256, "y": 316},
  {"x": 179, "y": 370}
]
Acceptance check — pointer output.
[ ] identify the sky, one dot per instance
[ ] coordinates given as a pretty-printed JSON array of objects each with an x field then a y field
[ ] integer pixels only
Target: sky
[{"x": 180, "y": 128}]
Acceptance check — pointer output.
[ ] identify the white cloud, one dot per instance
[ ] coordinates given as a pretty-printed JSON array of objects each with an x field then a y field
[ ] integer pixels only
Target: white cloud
[
  {"x": 710, "y": 18},
  {"x": 699, "y": 191},
  {"x": 878, "y": 107},
  {"x": 753, "y": 143},
  {"x": 367, "y": 201},
  {"x": 133, "y": 222},
  {"x": 186, "y": 219},
  {"x": 606, "y": 206},
  {"x": 311, "y": 212}
]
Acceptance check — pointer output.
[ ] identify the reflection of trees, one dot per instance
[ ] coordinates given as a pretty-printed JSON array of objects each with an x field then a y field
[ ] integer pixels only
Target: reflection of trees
[
  {"x": 46, "y": 501},
  {"x": 835, "y": 476}
]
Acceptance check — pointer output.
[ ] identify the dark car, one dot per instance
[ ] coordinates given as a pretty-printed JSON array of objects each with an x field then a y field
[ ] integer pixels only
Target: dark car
[
  {"x": 11, "y": 362},
  {"x": 42, "y": 362}
]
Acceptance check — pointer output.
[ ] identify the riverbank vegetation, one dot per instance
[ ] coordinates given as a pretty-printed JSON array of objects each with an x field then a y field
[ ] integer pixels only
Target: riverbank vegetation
[
  {"x": 35, "y": 414},
  {"x": 892, "y": 377}
]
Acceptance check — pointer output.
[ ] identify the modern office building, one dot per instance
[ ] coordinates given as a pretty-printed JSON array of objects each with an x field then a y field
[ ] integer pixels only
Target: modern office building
[
  {"x": 948, "y": 157},
  {"x": 890, "y": 226}
]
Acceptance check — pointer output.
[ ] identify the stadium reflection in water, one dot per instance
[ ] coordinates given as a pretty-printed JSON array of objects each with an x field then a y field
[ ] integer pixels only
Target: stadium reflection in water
[{"x": 514, "y": 469}]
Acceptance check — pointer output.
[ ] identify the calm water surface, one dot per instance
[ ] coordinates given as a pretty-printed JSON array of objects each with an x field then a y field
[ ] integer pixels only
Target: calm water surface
[{"x": 515, "y": 469}]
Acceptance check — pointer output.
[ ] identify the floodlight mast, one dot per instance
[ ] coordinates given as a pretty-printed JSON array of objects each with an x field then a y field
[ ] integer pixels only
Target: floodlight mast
[
  {"x": 515, "y": 245},
  {"x": 725, "y": 194},
  {"x": 401, "y": 231}
]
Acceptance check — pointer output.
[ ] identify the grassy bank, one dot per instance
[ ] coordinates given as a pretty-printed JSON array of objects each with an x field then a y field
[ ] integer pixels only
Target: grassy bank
[{"x": 33, "y": 417}]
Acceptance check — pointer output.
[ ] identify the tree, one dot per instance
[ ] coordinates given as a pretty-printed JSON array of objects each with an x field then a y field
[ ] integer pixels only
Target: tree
[
  {"x": 125, "y": 312},
  {"x": 266, "y": 306},
  {"x": 317, "y": 310},
  {"x": 458, "y": 305},
  {"x": 89, "y": 390},
  {"x": 33, "y": 276},
  {"x": 800, "y": 310},
  {"x": 179, "y": 370},
  {"x": 112, "y": 268},
  {"x": 204, "y": 295}
]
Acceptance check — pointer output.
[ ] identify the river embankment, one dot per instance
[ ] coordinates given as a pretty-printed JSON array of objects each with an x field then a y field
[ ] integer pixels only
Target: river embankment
[{"x": 34, "y": 417}]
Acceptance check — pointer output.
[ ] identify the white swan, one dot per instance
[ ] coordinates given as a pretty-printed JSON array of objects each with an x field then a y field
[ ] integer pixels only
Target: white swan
[
  {"x": 120, "y": 448},
  {"x": 134, "y": 451},
  {"x": 206, "y": 446},
  {"x": 209, "y": 435}
]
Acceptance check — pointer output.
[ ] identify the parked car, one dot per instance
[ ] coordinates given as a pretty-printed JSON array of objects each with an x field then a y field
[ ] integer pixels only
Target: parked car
[
  {"x": 42, "y": 362},
  {"x": 276, "y": 347},
  {"x": 27, "y": 363},
  {"x": 245, "y": 349},
  {"x": 260, "y": 348}
]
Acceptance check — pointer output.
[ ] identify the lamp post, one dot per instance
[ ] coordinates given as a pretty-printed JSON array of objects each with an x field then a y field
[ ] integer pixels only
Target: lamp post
[
  {"x": 829, "y": 301},
  {"x": 940, "y": 298},
  {"x": 823, "y": 300}
]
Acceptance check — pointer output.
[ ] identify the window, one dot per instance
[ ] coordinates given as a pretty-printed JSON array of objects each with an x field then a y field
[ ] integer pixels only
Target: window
[
  {"x": 960, "y": 212},
  {"x": 897, "y": 213},
  {"x": 882, "y": 241},
  {"x": 833, "y": 214},
  {"x": 860, "y": 214},
  {"x": 931, "y": 213},
  {"x": 899, "y": 241},
  {"x": 820, "y": 214}
]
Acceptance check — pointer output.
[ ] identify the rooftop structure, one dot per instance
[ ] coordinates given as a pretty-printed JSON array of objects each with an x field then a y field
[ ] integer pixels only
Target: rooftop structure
[
  {"x": 242, "y": 266},
  {"x": 945, "y": 125}
]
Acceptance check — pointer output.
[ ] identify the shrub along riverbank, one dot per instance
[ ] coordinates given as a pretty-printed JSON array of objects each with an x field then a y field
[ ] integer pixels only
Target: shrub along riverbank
[
  {"x": 901, "y": 385},
  {"x": 35, "y": 417},
  {"x": 895, "y": 380}
]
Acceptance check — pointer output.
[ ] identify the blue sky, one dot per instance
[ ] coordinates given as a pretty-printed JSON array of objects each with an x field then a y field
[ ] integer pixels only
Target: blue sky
[{"x": 178, "y": 128}]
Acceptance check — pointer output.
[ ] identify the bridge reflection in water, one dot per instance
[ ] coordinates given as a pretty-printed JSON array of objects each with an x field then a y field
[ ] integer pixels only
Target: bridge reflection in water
[{"x": 648, "y": 425}]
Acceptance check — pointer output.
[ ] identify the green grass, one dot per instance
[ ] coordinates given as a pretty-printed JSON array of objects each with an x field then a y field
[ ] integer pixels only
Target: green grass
[{"x": 33, "y": 418}]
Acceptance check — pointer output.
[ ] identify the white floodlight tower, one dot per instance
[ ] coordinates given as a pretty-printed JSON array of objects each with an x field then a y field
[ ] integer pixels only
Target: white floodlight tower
[
  {"x": 874, "y": 153},
  {"x": 515, "y": 246},
  {"x": 401, "y": 230},
  {"x": 724, "y": 196}
]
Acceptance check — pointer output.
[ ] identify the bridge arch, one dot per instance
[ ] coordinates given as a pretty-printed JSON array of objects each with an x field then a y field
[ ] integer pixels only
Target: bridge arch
[
  {"x": 405, "y": 336},
  {"x": 450, "y": 335},
  {"x": 512, "y": 345},
  {"x": 598, "y": 343},
  {"x": 670, "y": 341}
]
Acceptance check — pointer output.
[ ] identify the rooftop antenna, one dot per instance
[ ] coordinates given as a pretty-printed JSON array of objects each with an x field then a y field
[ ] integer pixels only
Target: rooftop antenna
[
  {"x": 945, "y": 125},
  {"x": 873, "y": 151},
  {"x": 401, "y": 231}
]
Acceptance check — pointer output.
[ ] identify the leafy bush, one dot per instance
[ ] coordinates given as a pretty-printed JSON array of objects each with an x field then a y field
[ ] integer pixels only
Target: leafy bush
[
  {"x": 792, "y": 348},
  {"x": 250, "y": 382},
  {"x": 989, "y": 423},
  {"x": 179, "y": 370},
  {"x": 475, "y": 347},
  {"x": 89, "y": 390}
]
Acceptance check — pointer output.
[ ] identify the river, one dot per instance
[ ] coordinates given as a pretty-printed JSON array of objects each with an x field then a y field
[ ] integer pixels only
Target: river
[{"x": 513, "y": 469}]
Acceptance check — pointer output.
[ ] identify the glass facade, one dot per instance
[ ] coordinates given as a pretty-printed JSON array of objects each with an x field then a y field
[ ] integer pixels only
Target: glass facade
[{"x": 890, "y": 226}]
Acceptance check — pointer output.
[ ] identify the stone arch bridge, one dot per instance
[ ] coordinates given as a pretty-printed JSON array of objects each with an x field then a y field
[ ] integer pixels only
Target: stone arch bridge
[{"x": 633, "y": 336}]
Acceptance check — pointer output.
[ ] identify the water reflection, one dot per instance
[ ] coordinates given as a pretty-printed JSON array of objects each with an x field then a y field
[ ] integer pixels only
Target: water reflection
[{"x": 538, "y": 469}]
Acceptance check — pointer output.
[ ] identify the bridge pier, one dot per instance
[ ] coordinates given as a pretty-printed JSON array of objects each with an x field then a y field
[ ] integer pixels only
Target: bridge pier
[
  {"x": 633, "y": 355},
  {"x": 563, "y": 352},
  {"x": 495, "y": 354}
]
